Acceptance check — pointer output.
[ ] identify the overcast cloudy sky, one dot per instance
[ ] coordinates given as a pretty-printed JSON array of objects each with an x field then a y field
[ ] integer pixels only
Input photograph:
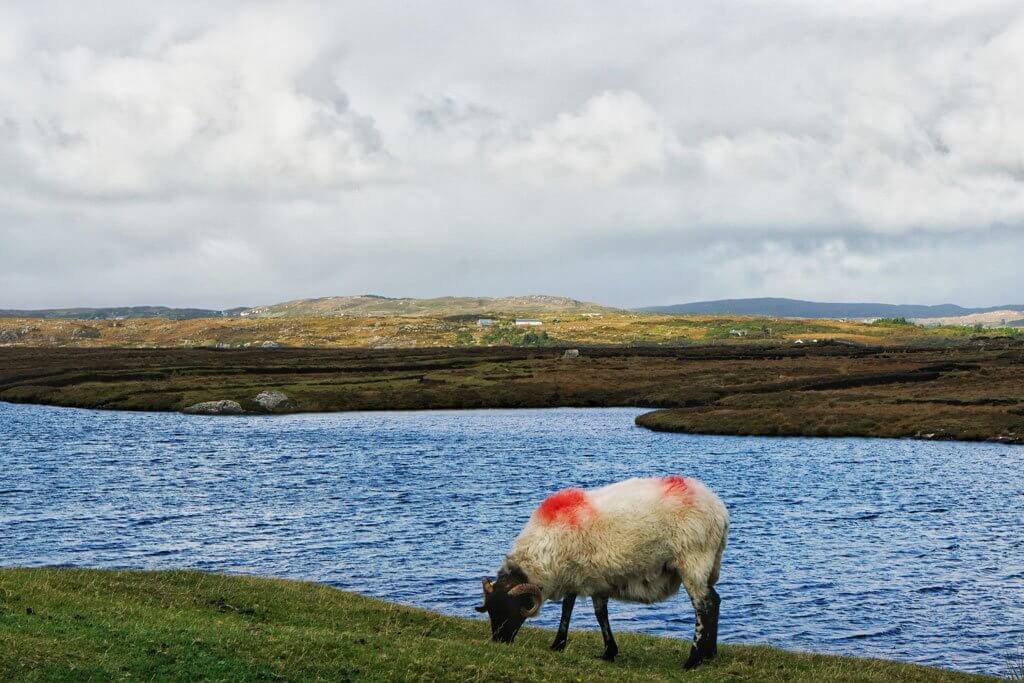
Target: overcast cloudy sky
[{"x": 219, "y": 154}]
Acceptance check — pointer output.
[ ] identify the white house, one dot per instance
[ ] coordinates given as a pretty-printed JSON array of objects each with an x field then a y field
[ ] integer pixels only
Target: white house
[
  {"x": 522, "y": 322},
  {"x": 484, "y": 322}
]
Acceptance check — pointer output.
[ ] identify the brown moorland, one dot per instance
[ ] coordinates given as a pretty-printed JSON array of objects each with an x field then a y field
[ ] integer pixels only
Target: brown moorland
[{"x": 969, "y": 391}]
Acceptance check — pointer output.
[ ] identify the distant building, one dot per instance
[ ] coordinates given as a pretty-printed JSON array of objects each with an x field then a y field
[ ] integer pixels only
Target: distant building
[
  {"x": 484, "y": 322},
  {"x": 528, "y": 323}
]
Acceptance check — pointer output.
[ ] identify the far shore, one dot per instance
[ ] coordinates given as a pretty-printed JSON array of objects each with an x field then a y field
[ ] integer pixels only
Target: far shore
[{"x": 967, "y": 392}]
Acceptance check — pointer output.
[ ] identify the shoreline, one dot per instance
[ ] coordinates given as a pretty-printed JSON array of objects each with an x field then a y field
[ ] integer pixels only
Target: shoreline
[{"x": 957, "y": 394}]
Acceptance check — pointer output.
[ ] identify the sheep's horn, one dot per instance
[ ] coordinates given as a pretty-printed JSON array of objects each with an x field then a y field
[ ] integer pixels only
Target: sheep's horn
[{"x": 533, "y": 590}]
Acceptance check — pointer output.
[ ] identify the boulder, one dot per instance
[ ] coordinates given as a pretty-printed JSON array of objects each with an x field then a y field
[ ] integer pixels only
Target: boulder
[
  {"x": 224, "y": 407},
  {"x": 270, "y": 345},
  {"x": 85, "y": 332},
  {"x": 571, "y": 353},
  {"x": 275, "y": 402}
]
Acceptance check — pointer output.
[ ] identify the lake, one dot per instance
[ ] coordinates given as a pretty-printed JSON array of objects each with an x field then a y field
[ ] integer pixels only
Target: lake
[{"x": 908, "y": 550}]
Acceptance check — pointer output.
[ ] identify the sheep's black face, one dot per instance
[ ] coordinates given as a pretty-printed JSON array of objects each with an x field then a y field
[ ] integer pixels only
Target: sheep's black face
[
  {"x": 509, "y": 601},
  {"x": 506, "y": 615}
]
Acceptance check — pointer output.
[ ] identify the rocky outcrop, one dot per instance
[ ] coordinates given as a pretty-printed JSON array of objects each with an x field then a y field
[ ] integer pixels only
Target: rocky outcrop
[
  {"x": 224, "y": 407},
  {"x": 275, "y": 402}
]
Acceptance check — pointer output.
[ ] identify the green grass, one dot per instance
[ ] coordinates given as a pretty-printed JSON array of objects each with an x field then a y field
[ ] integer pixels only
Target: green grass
[{"x": 63, "y": 624}]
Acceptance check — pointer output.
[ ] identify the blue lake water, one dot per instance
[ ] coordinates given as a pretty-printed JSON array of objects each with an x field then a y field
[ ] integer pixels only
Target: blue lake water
[{"x": 906, "y": 550}]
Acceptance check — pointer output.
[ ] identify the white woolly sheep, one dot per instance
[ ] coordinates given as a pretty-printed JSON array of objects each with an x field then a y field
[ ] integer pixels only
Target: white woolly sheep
[{"x": 636, "y": 540}]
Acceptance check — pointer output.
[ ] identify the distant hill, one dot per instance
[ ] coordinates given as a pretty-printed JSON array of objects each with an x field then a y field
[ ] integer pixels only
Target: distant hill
[
  {"x": 795, "y": 308},
  {"x": 372, "y": 305},
  {"x": 116, "y": 313}
]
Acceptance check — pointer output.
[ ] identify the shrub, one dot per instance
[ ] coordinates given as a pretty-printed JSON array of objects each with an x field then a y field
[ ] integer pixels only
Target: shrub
[{"x": 892, "y": 322}]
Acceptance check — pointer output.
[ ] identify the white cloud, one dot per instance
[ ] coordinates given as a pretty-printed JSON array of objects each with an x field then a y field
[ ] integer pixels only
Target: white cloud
[
  {"x": 209, "y": 113},
  {"x": 614, "y": 136}
]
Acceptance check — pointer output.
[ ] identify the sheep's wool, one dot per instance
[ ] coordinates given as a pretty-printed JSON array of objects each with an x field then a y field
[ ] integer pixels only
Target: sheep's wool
[{"x": 635, "y": 540}]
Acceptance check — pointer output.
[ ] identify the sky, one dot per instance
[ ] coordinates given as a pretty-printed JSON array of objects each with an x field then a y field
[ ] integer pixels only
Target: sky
[{"x": 634, "y": 153}]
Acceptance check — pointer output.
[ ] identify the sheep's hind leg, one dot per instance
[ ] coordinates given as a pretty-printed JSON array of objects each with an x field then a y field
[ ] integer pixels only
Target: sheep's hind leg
[
  {"x": 562, "y": 637},
  {"x": 705, "y": 630},
  {"x": 601, "y": 612},
  {"x": 712, "y": 602}
]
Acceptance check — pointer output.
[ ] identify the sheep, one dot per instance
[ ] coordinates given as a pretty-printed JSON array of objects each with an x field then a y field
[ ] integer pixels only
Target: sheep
[{"x": 636, "y": 540}]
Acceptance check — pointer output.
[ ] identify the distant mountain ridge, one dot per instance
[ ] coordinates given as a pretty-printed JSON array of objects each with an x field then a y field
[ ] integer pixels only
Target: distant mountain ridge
[
  {"x": 373, "y": 305},
  {"x": 118, "y": 312},
  {"x": 796, "y": 308}
]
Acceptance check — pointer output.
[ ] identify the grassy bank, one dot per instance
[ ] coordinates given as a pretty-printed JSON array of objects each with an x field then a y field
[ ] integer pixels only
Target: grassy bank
[
  {"x": 967, "y": 392},
  {"x": 60, "y": 624}
]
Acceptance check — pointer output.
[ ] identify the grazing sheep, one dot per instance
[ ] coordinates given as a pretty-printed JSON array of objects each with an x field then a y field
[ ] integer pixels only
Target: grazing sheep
[{"x": 636, "y": 540}]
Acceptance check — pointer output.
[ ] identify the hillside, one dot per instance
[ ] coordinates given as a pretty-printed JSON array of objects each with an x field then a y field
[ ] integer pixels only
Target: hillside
[
  {"x": 370, "y": 305},
  {"x": 796, "y": 308},
  {"x": 92, "y": 625}
]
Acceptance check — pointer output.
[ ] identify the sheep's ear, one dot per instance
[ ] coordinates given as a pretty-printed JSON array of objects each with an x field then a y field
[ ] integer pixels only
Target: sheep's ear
[{"x": 488, "y": 589}]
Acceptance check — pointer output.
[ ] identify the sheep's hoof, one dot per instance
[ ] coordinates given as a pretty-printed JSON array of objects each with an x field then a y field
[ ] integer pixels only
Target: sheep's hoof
[{"x": 559, "y": 645}]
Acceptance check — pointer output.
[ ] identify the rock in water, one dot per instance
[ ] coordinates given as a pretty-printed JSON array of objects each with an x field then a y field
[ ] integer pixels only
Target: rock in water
[
  {"x": 275, "y": 402},
  {"x": 225, "y": 407}
]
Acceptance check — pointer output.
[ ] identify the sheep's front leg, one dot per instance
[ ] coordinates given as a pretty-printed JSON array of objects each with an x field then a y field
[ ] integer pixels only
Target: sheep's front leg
[
  {"x": 562, "y": 637},
  {"x": 601, "y": 611}
]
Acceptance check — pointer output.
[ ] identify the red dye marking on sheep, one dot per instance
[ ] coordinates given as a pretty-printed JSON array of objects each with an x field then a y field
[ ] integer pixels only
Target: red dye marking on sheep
[
  {"x": 565, "y": 506},
  {"x": 675, "y": 485}
]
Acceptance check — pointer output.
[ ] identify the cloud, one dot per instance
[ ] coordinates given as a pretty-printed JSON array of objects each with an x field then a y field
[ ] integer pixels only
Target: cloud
[
  {"x": 612, "y": 137},
  {"x": 245, "y": 153},
  {"x": 217, "y": 112}
]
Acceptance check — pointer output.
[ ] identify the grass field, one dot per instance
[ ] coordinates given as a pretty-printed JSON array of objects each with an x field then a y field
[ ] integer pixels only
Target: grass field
[{"x": 90, "y": 625}]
